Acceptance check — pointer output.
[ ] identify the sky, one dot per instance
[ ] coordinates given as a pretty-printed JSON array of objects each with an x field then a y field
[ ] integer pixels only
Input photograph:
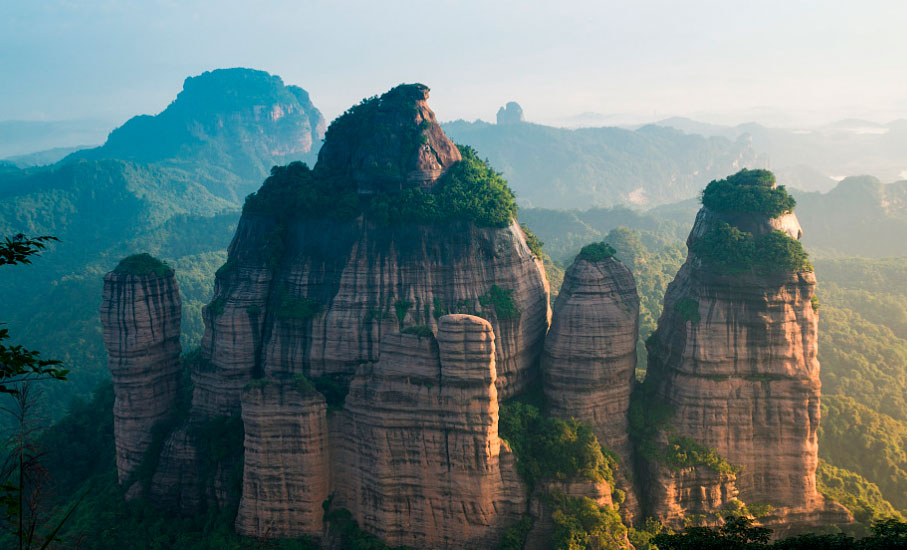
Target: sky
[{"x": 782, "y": 63}]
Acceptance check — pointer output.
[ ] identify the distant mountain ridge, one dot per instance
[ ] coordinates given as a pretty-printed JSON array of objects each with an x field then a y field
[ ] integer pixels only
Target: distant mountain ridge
[{"x": 551, "y": 167}]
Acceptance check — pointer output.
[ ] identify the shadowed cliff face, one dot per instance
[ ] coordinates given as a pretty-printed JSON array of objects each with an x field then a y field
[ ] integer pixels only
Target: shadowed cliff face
[
  {"x": 734, "y": 358},
  {"x": 140, "y": 315}
]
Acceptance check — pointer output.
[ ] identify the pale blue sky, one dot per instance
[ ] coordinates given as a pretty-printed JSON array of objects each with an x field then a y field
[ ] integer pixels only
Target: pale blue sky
[{"x": 724, "y": 61}]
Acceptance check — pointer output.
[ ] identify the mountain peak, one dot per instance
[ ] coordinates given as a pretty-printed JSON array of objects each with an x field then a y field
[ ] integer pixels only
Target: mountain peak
[
  {"x": 238, "y": 109},
  {"x": 388, "y": 143}
]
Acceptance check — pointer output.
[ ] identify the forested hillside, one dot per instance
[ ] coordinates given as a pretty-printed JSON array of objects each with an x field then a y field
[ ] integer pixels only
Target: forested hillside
[
  {"x": 551, "y": 167},
  {"x": 169, "y": 184}
]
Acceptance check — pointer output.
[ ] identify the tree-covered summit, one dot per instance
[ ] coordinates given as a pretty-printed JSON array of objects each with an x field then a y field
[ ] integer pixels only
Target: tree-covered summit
[
  {"x": 749, "y": 192},
  {"x": 143, "y": 264},
  {"x": 469, "y": 191}
]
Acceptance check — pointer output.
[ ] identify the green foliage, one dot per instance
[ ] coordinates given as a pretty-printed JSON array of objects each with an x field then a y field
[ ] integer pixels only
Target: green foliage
[
  {"x": 597, "y": 252},
  {"x": 814, "y": 301},
  {"x": 217, "y": 306},
  {"x": 19, "y": 249},
  {"x": 685, "y": 452},
  {"x": 641, "y": 537},
  {"x": 468, "y": 191},
  {"x": 351, "y": 536},
  {"x": 143, "y": 264},
  {"x": 400, "y": 308},
  {"x": 740, "y": 533},
  {"x": 300, "y": 309},
  {"x": 688, "y": 308},
  {"x": 867, "y": 443},
  {"x": 515, "y": 536},
  {"x": 748, "y": 191},
  {"x": 534, "y": 243},
  {"x": 648, "y": 417},
  {"x": 422, "y": 331},
  {"x": 505, "y": 307},
  {"x": 551, "y": 448},
  {"x": 863, "y": 498},
  {"x": 580, "y": 523},
  {"x": 734, "y": 252}
]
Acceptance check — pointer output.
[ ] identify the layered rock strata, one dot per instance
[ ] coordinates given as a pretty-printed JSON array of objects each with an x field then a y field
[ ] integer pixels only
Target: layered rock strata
[
  {"x": 286, "y": 474},
  {"x": 420, "y": 462},
  {"x": 589, "y": 359},
  {"x": 735, "y": 359},
  {"x": 140, "y": 316}
]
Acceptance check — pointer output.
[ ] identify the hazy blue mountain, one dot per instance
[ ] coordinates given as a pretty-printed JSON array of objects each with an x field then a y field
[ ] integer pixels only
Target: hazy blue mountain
[
  {"x": 23, "y": 137},
  {"x": 551, "y": 167},
  {"x": 43, "y": 158},
  {"x": 169, "y": 184}
]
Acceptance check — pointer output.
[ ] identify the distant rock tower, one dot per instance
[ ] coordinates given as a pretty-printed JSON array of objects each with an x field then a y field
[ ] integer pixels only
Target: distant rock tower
[
  {"x": 510, "y": 113},
  {"x": 140, "y": 314}
]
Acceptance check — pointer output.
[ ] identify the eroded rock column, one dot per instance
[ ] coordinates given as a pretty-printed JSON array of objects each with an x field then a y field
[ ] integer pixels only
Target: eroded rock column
[
  {"x": 140, "y": 315},
  {"x": 421, "y": 463}
]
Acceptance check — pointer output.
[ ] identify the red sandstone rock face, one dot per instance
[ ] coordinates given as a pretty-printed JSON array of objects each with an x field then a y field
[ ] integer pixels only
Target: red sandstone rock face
[
  {"x": 286, "y": 475},
  {"x": 589, "y": 360},
  {"x": 419, "y": 460},
  {"x": 744, "y": 378},
  {"x": 140, "y": 315},
  {"x": 366, "y": 281}
]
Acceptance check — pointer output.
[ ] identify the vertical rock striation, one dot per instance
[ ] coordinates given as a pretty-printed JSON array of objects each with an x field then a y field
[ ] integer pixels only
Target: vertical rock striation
[
  {"x": 589, "y": 360},
  {"x": 419, "y": 460},
  {"x": 140, "y": 316},
  {"x": 286, "y": 476},
  {"x": 735, "y": 359}
]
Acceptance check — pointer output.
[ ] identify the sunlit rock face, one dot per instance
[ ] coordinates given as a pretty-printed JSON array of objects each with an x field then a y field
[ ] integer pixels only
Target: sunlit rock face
[
  {"x": 140, "y": 316},
  {"x": 419, "y": 459},
  {"x": 735, "y": 359}
]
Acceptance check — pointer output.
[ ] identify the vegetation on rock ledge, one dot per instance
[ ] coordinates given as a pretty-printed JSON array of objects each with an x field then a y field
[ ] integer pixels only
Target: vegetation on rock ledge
[
  {"x": 143, "y": 264},
  {"x": 733, "y": 252},
  {"x": 750, "y": 192},
  {"x": 469, "y": 191}
]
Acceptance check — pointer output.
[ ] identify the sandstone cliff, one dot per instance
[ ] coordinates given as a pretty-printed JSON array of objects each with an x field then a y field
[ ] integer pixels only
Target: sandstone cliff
[
  {"x": 589, "y": 359},
  {"x": 419, "y": 459},
  {"x": 286, "y": 475},
  {"x": 140, "y": 315},
  {"x": 734, "y": 358},
  {"x": 314, "y": 295}
]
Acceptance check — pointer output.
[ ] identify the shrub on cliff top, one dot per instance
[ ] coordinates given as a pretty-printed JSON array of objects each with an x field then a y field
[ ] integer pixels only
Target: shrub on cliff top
[
  {"x": 143, "y": 264},
  {"x": 469, "y": 191},
  {"x": 597, "y": 252},
  {"x": 748, "y": 191}
]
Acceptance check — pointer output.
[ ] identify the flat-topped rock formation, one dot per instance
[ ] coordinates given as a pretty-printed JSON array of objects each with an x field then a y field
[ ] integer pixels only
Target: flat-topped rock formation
[
  {"x": 140, "y": 315},
  {"x": 419, "y": 460}
]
